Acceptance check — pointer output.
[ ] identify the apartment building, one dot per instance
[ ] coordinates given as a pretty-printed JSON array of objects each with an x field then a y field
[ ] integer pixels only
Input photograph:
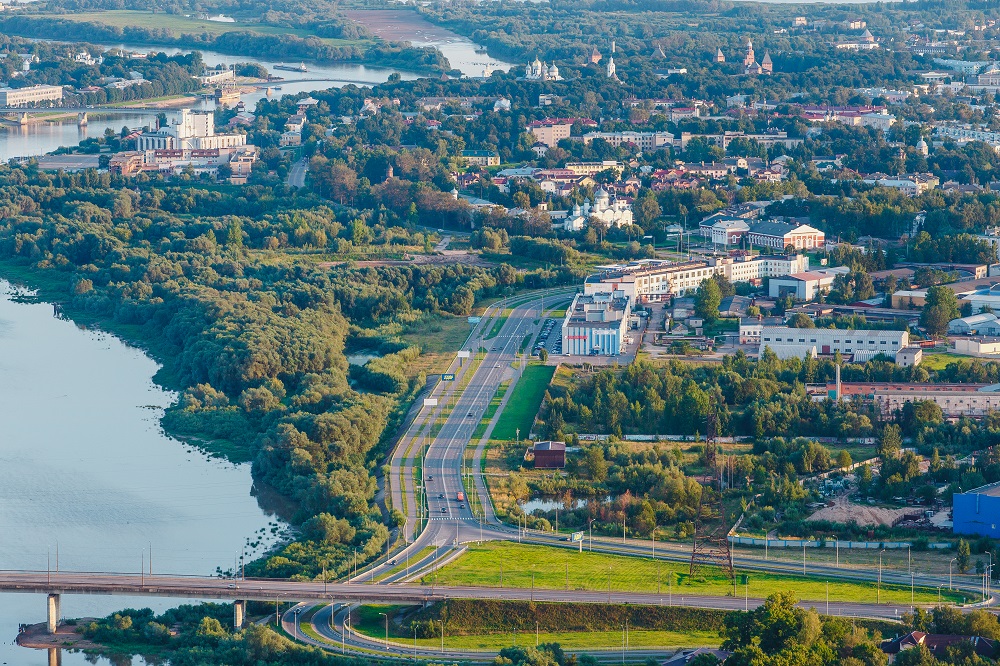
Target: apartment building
[
  {"x": 661, "y": 280},
  {"x": 551, "y": 131},
  {"x": 30, "y": 96},
  {"x": 642, "y": 140}
]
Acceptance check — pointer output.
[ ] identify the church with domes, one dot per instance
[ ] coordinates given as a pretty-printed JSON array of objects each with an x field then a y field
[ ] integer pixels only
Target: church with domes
[{"x": 538, "y": 71}]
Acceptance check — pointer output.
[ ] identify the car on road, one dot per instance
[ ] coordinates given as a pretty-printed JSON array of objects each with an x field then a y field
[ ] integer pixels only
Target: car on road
[
  {"x": 440, "y": 495},
  {"x": 234, "y": 586},
  {"x": 461, "y": 506},
  {"x": 430, "y": 477},
  {"x": 444, "y": 509},
  {"x": 470, "y": 414}
]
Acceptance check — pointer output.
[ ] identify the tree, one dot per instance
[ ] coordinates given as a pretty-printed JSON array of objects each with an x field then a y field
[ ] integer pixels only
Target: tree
[
  {"x": 646, "y": 209},
  {"x": 964, "y": 554},
  {"x": 708, "y": 300},
  {"x": 941, "y": 306},
  {"x": 844, "y": 459},
  {"x": 890, "y": 443},
  {"x": 543, "y": 355},
  {"x": 597, "y": 466},
  {"x": 801, "y": 320}
]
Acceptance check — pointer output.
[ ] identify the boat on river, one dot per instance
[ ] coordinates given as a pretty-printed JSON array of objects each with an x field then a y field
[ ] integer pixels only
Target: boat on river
[{"x": 301, "y": 67}]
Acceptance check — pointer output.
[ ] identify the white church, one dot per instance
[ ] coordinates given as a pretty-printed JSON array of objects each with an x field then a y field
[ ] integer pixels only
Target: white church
[
  {"x": 538, "y": 71},
  {"x": 613, "y": 213}
]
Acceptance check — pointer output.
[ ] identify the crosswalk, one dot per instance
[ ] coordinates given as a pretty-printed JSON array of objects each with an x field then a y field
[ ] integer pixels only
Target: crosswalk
[{"x": 468, "y": 519}]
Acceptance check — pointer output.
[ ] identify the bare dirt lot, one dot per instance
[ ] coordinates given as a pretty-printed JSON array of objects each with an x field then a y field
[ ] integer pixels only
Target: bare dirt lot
[
  {"x": 399, "y": 25},
  {"x": 846, "y": 511}
]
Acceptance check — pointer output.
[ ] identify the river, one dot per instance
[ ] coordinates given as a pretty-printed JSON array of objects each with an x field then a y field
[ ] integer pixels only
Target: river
[
  {"x": 42, "y": 138},
  {"x": 88, "y": 479},
  {"x": 86, "y": 470}
]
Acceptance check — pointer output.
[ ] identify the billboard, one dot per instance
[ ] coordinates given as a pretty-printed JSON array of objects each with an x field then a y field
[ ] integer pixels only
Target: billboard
[{"x": 448, "y": 377}]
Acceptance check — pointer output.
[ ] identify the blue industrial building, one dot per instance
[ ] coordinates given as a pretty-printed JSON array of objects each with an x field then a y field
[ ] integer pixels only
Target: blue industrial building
[{"x": 978, "y": 511}]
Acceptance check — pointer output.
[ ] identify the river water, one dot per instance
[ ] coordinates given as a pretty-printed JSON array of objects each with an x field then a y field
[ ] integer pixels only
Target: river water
[
  {"x": 86, "y": 470},
  {"x": 42, "y": 138}
]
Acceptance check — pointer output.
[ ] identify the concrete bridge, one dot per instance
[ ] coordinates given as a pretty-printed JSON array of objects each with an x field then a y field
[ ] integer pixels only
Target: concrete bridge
[{"x": 239, "y": 591}]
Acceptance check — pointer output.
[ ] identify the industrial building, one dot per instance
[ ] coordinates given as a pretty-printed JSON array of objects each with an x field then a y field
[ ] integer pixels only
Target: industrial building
[
  {"x": 861, "y": 345},
  {"x": 193, "y": 130},
  {"x": 978, "y": 511},
  {"x": 955, "y": 400},
  {"x": 595, "y": 324},
  {"x": 801, "y": 286},
  {"x": 30, "y": 95}
]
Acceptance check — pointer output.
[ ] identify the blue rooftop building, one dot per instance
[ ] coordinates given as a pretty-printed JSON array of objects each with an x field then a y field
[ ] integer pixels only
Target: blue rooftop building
[{"x": 978, "y": 511}]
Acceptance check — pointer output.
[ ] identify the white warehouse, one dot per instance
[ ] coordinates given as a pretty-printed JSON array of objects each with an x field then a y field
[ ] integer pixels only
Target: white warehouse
[
  {"x": 595, "y": 324},
  {"x": 862, "y": 345}
]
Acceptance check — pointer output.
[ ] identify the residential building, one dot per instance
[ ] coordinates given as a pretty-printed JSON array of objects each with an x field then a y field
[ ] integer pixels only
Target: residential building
[
  {"x": 975, "y": 512},
  {"x": 779, "y": 235},
  {"x": 862, "y": 345},
  {"x": 549, "y": 455},
  {"x": 800, "y": 286},
  {"x": 592, "y": 168},
  {"x": 240, "y": 161},
  {"x": 212, "y": 77},
  {"x": 486, "y": 158},
  {"x": 657, "y": 280},
  {"x": 723, "y": 140},
  {"x": 595, "y": 324},
  {"x": 31, "y": 95},
  {"x": 644, "y": 141},
  {"x": 553, "y": 130},
  {"x": 913, "y": 184},
  {"x": 193, "y": 130}
]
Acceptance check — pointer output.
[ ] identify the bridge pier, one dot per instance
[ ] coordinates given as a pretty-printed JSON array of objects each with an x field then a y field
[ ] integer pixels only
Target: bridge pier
[
  {"x": 23, "y": 120},
  {"x": 81, "y": 119},
  {"x": 55, "y": 656},
  {"x": 239, "y": 614},
  {"x": 52, "y": 604}
]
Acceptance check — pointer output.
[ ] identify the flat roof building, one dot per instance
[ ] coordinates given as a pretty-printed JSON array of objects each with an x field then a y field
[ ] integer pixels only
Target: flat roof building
[
  {"x": 595, "y": 324},
  {"x": 30, "y": 96},
  {"x": 978, "y": 511},
  {"x": 861, "y": 345}
]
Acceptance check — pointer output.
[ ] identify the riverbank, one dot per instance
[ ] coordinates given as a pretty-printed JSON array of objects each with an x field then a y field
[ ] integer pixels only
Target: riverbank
[{"x": 241, "y": 43}]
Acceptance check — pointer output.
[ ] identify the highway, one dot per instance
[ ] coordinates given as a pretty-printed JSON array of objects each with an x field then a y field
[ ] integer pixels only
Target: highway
[{"x": 445, "y": 523}]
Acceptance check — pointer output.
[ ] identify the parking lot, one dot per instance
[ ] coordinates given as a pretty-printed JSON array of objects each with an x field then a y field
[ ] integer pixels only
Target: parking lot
[{"x": 550, "y": 339}]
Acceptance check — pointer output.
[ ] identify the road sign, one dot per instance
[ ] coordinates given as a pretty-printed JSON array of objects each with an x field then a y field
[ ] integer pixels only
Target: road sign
[
  {"x": 448, "y": 377},
  {"x": 474, "y": 320},
  {"x": 430, "y": 402},
  {"x": 576, "y": 536}
]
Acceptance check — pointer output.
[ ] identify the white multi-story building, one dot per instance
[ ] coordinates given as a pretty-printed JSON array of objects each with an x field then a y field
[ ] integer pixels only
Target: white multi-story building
[
  {"x": 642, "y": 140},
  {"x": 596, "y": 324},
  {"x": 862, "y": 345},
  {"x": 30, "y": 95},
  {"x": 194, "y": 130},
  {"x": 661, "y": 280}
]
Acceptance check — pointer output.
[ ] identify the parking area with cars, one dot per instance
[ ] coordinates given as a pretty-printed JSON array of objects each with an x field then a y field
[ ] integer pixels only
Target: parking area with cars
[{"x": 550, "y": 339}]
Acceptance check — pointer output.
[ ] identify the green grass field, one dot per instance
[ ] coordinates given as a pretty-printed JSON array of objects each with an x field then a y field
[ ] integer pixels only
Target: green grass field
[
  {"x": 941, "y": 361},
  {"x": 559, "y": 568},
  {"x": 368, "y": 621},
  {"x": 520, "y": 411},
  {"x": 179, "y": 24}
]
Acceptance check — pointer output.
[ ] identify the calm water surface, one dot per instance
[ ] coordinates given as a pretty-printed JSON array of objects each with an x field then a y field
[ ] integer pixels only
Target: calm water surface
[{"x": 85, "y": 468}]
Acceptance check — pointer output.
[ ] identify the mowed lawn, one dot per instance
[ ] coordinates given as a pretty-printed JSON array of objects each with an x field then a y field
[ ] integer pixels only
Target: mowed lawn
[
  {"x": 520, "y": 411},
  {"x": 553, "y": 568},
  {"x": 179, "y": 24}
]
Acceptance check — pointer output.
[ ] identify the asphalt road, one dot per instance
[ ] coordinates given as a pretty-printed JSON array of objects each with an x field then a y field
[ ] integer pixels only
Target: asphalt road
[{"x": 297, "y": 174}]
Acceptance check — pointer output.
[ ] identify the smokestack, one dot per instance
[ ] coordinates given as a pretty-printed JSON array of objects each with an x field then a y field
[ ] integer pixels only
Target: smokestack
[{"x": 838, "y": 382}]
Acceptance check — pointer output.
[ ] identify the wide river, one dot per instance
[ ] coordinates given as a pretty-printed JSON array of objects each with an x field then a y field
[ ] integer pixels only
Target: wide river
[
  {"x": 86, "y": 472},
  {"x": 38, "y": 139}
]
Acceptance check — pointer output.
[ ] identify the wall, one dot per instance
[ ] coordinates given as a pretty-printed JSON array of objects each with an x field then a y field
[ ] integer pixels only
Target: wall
[{"x": 977, "y": 513}]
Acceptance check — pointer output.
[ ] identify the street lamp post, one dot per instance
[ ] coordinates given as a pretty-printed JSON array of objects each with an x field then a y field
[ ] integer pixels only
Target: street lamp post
[
  {"x": 949, "y": 572},
  {"x": 386, "y": 616},
  {"x": 878, "y": 589}
]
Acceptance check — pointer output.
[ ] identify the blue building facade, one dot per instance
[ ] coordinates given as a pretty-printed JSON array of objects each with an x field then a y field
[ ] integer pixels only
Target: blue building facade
[{"x": 978, "y": 512}]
